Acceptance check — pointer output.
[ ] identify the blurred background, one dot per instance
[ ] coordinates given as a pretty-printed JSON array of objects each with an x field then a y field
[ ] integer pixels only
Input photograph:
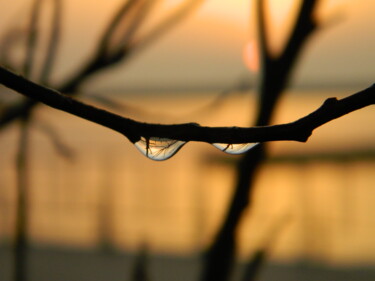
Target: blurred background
[{"x": 90, "y": 213}]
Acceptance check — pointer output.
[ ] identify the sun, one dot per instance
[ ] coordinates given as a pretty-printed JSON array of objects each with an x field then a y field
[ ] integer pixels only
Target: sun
[{"x": 251, "y": 56}]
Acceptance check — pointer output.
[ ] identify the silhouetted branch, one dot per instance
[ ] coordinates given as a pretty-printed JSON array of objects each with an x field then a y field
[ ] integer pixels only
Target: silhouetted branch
[
  {"x": 32, "y": 38},
  {"x": 263, "y": 47},
  {"x": 118, "y": 39},
  {"x": 304, "y": 26},
  {"x": 257, "y": 259},
  {"x": 141, "y": 264},
  {"x": 176, "y": 16},
  {"x": 53, "y": 43},
  {"x": 57, "y": 141},
  {"x": 21, "y": 234},
  {"x": 275, "y": 74},
  {"x": 101, "y": 59},
  {"x": 299, "y": 130},
  {"x": 21, "y": 226},
  {"x": 276, "y": 69},
  {"x": 108, "y": 36},
  {"x": 254, "y": 265},
  {"x": 242, "y": 85}
]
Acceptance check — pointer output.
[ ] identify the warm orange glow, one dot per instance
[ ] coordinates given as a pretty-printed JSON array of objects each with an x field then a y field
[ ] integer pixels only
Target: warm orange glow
[
  {"x": 279, "y": 10},
  {"x": 251, "y": 56},
  {"x": 280, "y": 16},
  {"x": 173, "y": 2}
]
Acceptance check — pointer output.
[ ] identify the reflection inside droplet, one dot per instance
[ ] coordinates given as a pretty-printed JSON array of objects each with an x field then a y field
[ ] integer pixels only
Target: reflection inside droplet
[
  {"x": 236, "y": 148},
  {"x": 158, "y": 148}
]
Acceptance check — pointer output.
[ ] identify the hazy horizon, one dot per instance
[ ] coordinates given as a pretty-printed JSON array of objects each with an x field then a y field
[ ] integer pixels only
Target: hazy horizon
[
  {"x": 205, "y": 51},
  {"x": 218, "y": 88}
]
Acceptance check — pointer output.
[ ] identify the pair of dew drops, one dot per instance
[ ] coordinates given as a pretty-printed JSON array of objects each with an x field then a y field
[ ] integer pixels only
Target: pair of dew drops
[{"x": 160, "y": 149}]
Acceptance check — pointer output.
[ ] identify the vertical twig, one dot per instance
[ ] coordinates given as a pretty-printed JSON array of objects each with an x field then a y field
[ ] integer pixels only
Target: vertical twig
[
  {"x": 113, "y": 25},
  {"x": 184, "y": 9},
  {"x": 254, "y": 265},
  {"x": 54, "y": 40},
  {"x": 276, "y": 71},
  {"x": 31, "y": 39},
  {"x": 20, "y": 247},
  {"x": 21, "y": 224},
  {"x": 140, "y": 267}
]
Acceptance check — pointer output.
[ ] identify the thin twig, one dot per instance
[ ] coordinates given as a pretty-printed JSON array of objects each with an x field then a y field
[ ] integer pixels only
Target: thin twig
[
  {"x": 262, "y": 41},
  {"x": 104, "y": 42},
  {"x": 32, "y": 38},
  {"x": 56, "y": 139},
  {"x": 98, "y": 62},
  {"x": 20, "y": 243},
  {"x": 275, "y": 74},
  {"x": 53, "y": 43},
  {"x": 299, "y": 130},
  {"x": 177, "y": 15}
]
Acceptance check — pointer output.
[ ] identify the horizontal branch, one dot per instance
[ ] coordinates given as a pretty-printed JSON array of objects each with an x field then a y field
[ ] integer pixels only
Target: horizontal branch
[{"x": 299, "y": 130}]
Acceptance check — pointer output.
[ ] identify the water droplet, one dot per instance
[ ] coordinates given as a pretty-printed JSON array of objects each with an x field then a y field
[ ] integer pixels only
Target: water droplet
[
  {"x": 158, "y": 148},
  {"x": 236, "y": 148}
]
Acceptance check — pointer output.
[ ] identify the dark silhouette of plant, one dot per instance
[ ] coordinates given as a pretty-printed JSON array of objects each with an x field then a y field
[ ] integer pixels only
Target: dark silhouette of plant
[
  {"x": 299, "y": 130},
  {"x": 120, "y": 40},
  {"x": 27, "y": 69},
  {"x": 118, "y": 43},
  {"x": 140, "y": 267},
  {"x": 159, "y": 142},
  {"x": 275, "y": 72}
]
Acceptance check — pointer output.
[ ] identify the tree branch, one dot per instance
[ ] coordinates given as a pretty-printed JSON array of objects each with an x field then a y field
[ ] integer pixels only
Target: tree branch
[
  {"x": 106, "y": 56},
  {"x": 275, "y": 73},
  {"x": 299, "y": 130},
  {"x": 263, "y": 45}
]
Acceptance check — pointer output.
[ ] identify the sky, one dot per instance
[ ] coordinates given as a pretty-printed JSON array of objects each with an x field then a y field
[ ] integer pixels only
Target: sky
[{"x": 206, "y": 51}]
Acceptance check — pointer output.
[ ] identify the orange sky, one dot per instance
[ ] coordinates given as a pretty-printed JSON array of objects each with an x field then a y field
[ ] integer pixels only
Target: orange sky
[{"x": 206, "y": 50}]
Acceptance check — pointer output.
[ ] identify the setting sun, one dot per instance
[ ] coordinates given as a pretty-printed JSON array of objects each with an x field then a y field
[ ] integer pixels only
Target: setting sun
[{"x": 251, "y": 56}]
